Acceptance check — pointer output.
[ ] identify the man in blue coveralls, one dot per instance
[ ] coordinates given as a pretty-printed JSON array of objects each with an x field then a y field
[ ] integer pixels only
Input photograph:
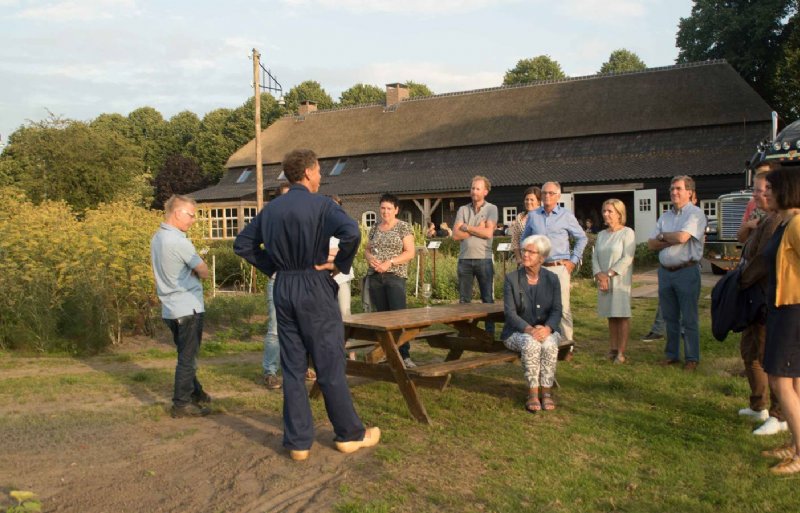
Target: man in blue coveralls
[{"x": 295, "y": 230}]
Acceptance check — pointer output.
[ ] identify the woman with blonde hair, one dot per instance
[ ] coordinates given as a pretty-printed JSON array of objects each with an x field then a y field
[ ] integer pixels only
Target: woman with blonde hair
[{"x": 612, "y": 267}]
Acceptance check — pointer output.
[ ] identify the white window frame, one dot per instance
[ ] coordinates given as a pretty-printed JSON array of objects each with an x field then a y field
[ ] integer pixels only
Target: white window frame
[
  {"x": 663, "y": 206},
  {"x": 224, "y": 222},
  {"x": 509, "y": 215},
  {"x": 710, "y": 208},
  {"x": 248, "y": 213},
  {"x": 369, "y": 218}
]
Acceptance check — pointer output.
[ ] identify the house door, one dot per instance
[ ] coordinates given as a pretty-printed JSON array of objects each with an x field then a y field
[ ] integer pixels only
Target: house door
[
  {"x": 644, "y": 201},
  {"x": 567, "y": 201}
]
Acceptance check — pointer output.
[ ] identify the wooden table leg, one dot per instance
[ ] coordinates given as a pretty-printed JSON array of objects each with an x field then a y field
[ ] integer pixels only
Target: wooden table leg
[{"x": 389, "y": 342}]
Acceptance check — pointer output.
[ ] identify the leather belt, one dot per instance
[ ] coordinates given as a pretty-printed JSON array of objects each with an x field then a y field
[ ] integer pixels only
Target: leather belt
[
  {"x": 674, "y": 268},
  {"x": 555, "y": 263}
]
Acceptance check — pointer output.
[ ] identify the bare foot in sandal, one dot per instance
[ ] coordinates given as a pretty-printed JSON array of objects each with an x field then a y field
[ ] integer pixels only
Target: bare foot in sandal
[
  {"x": 532, "y": 404},
  {"x": 547, "y": 401}
]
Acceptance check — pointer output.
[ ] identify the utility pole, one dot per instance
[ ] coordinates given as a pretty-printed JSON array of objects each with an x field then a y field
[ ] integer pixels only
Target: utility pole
[{"x": 259, "y": 164}]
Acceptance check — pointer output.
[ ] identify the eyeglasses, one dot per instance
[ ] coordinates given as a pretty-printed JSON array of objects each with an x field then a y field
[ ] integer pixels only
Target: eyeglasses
[
  {"x": 189, "y": 214},
  {"x": 549, "y": 193},
  {"x": 529, "y": 252}
]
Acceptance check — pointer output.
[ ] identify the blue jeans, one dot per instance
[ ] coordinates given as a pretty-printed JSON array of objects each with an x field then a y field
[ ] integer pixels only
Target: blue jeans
[
  {"x": 387, "y": 291},
  {"x": 186, "y": 334},
  {"x": 658, "y": 323},
  {"x": 678, "y": 295},
  {"x": 483, "y": 270},
  {"x": 272, "y": 349}
]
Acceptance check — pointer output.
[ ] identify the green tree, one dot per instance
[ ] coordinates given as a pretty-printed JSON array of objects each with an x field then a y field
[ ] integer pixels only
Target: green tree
[
  {"x": 180, "y": 133},
  {"x": 308, "y": 90},
  {"x": 114, "y": 123},
  {"x": 58, "y": 159},
  {"x": 180, "y": 175},
  {"x": 786, "y": 82},
  {"x": 622, "y": 60},
  {"x": 212, "y": 145},
  {"x": 532, "y": 70},
  {"x": 147, "y": 131},
  {"x": 362, "y": 94},
  {"x": 416, "y": 90},
  {"x": 240, "y": 126},
  {"x": 748, "y": 34}
]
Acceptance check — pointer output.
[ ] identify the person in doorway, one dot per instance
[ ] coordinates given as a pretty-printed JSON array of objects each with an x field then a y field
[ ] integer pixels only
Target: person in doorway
[
  {"x": 612, "y": 267},
  {"x": 178, "y": 270}
]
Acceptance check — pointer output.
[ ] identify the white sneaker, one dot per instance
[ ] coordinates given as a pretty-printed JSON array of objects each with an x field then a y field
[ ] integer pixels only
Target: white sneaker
[
  {"x": 772, "y": 426},
  {"x": 409, "y": 363},
  {"x": 760, "y": 415}
]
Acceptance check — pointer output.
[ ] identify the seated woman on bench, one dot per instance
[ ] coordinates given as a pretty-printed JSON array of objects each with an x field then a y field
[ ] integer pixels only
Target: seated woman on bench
[{"x": 532, "y": 296}]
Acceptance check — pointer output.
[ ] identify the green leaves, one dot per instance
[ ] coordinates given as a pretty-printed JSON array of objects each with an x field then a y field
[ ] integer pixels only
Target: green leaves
[
  {"x": 622, "y": 60},
  {"x": 752, "y": 36},
  {"x": 532, "y": 70}
]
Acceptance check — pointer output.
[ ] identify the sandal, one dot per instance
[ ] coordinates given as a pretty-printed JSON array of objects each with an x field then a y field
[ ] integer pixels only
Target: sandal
[
  {"x": 533, "y": 405},
  {"x": 787, "y": 466},
  {"x": 620, "y": 358},
  {"x": 612, "y": 354},
  {"x": 782, "y": 452},
  {"x": 547, "y": 402}
]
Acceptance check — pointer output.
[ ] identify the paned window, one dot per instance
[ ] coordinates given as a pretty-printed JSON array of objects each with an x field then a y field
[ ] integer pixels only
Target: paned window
[
  {"x": 248, "y": 214},
  {"x": 369, "y": 218},
  {"x": 509, "y": 215},
  {"x": 224, "y": 222},
  {"x": 709, "y": 208}
]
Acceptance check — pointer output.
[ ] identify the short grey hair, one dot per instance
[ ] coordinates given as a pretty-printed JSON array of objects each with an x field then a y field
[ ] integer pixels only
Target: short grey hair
[
  {"x": 540, "y": 242},
  {"x": 556, "y": 184}
]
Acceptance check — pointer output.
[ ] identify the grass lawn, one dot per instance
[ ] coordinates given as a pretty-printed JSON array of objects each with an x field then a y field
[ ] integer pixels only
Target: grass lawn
[{"x": 634, "y": 437}]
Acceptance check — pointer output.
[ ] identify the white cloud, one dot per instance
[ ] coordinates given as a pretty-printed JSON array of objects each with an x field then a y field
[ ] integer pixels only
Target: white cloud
[
  {"x": 602, "y": 10},
  {"x": 398, "y": 6},
  {"x": 83, "y": 10}
]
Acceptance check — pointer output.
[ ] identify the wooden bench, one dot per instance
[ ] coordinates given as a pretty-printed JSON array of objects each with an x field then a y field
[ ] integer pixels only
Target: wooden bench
[
  {"x": 485, "y": 360},
  {"x": 462, "y": 364}
]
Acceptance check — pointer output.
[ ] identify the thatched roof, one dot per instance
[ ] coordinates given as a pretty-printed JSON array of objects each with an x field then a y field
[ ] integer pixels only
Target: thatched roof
[{"x": 694, "y": 95}]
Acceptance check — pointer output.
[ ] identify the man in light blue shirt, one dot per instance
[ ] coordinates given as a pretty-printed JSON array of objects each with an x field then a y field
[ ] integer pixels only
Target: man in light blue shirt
[
  {"x": 558, "y": 224},
  {"x": 678, "y": 237},
  {"x": 178, "y": 270}
]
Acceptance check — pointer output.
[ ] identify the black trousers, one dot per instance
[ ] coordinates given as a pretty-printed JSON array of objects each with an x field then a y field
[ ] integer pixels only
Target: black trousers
[{"x": 186, "y": 334}]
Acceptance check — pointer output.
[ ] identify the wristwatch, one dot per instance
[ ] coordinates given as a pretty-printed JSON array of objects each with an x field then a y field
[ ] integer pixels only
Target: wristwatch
[{"x": 660, "y": 237}]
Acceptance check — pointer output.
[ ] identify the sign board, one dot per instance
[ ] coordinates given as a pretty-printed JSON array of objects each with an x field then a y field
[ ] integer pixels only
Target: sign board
[
  {"x": 434, "y": 244},
  {"x": 504, "y": 246}
]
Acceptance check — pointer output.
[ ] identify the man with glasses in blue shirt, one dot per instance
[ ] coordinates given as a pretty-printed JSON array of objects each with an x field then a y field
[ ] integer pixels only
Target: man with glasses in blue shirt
[
  {"x": 559, "y": 224},
  {"x": 178, "y": 270}
]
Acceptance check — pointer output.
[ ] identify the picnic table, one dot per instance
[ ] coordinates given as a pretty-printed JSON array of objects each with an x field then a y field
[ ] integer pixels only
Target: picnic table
[{"x": 383, "y": 332}]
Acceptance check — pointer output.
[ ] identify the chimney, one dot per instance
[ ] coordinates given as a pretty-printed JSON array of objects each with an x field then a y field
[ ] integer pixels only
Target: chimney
[
  {"x": 307, "y": 107},
  {"x": 396, "y": 93}
]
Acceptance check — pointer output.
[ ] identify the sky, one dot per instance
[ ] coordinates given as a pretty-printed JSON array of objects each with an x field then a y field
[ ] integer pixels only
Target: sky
[{"x": 82, "y": 58}]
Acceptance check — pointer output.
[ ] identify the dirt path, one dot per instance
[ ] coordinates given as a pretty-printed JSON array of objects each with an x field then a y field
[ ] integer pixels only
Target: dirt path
[{"x": 85, "y": 453}]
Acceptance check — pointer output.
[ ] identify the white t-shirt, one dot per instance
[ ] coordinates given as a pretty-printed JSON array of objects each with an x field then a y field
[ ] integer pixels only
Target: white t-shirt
[{"x": 341, "y": 277}]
